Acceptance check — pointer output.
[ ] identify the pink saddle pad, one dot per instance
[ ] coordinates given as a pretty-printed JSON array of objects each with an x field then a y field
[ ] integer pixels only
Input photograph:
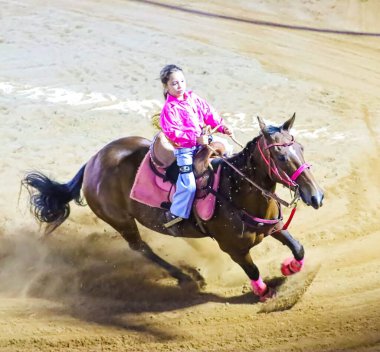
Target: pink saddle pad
[{"x": 151, "y": 190}]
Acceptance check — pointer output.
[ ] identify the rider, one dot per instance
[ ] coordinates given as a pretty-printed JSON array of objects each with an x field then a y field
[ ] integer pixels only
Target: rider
[{"x": 182, "y": 118}]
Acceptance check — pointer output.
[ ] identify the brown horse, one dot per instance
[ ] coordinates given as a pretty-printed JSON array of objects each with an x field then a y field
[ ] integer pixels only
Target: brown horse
[{"x": 244, "y": 214}]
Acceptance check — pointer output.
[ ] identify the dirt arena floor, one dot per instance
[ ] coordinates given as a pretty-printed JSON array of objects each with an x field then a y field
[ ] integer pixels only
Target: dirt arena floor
[{"x": 76, "y": 75}]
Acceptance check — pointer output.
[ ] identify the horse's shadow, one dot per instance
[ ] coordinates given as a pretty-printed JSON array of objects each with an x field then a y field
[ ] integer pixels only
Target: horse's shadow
[
  {"x": 96, "y": 282},
  {"x": 115, "y": 299}
]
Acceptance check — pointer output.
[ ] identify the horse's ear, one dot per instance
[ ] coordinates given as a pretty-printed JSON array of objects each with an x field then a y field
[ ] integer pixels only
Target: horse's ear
[
  {"x": 289, "y": 124},
  {"x": 262, "y": 124}
]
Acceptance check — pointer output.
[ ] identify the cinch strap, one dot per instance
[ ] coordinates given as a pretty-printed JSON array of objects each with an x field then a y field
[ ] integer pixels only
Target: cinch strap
[{"x": 185, "y": 169}]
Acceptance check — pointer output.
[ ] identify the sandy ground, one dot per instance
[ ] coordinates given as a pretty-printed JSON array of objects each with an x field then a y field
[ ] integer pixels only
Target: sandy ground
[{"x": 78, "y": 74}]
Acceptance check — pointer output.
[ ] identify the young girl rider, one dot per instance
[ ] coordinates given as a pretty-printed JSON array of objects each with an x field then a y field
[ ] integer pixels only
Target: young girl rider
[{"x": 182, "y": 118}]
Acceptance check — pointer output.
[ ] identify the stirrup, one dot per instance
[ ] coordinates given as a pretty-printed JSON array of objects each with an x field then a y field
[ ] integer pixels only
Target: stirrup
[{"x": 170, "y": 223}]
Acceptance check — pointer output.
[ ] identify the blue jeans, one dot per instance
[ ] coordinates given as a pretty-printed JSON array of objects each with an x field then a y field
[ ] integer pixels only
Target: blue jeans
[{"x": 185, "y": 187}]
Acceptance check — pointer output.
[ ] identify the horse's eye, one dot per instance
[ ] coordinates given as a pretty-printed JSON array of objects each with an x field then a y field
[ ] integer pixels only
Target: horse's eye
[{"x": 282, "y": 157}]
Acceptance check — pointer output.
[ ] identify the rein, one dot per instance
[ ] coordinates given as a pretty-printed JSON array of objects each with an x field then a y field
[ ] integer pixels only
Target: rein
[
  {"x": 265, "y": 193},
  {"x": 272, "y": 168}
]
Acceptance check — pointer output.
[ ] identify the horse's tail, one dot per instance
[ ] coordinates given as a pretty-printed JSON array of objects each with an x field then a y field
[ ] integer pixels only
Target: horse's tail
[{"x": 49, "y": 200}]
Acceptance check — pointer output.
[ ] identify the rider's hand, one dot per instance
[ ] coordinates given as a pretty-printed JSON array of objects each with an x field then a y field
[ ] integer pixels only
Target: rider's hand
[
  {"x": 202, "y": 139},
  {"x": 227, "y": 130}
]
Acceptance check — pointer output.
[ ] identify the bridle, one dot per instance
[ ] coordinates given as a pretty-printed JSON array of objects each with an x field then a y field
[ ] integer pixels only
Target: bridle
[{"x": 272, "y": 167}]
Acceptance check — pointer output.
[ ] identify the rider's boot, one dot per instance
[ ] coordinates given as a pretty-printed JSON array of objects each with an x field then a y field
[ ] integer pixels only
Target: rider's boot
[{"x": 172, "y": 223}]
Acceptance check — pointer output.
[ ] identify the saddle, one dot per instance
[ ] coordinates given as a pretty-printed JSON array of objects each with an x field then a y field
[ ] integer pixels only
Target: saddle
[
  {"x": 156, "y": 177},
  {"x": 162, "y": 157},
  {"x": 162, "y": 151}
]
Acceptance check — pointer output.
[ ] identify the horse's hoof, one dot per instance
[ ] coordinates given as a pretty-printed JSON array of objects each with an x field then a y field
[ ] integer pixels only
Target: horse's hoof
[
  {"x": 262, "y": 290},
  {"x": 271, "y": 293},
  {"x": 291, "y": 266},
  {"x": 259, "y": 287}
]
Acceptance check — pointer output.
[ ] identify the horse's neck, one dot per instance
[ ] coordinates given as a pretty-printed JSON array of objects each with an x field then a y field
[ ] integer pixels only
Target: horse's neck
[
  {"x": 245, "y": 195},
  {"x": 251, "y": 199}
]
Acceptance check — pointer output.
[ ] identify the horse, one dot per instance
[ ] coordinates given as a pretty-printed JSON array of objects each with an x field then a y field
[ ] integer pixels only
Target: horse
[{"x": 247, "y": 209}]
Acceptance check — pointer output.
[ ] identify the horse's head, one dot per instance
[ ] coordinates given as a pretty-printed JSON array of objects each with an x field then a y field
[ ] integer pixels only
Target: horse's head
[{"x": 285, "y": 162}]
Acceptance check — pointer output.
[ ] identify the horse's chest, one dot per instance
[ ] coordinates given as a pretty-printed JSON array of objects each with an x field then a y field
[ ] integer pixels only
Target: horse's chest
[
  {"x": 255, "y": 234},
  {"x": 253, "y": 238}
]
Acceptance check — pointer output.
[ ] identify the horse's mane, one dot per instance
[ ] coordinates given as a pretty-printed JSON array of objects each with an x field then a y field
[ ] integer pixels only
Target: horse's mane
[
  {"x": 272, "y": 129},
  {"x": 240, "y": 159},
  {"x": 251, "y": 145}
]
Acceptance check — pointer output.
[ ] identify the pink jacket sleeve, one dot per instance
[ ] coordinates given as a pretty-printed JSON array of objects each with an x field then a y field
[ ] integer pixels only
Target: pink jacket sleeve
[
  {"x": 173, "y": 129},
  {"x": 210, "y": 116}
]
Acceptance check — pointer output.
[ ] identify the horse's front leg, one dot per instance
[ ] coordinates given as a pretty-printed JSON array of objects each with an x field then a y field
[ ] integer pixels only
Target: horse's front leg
[
  {"x": 259, "y": 287},
  {"x": 293, "y": 265}
]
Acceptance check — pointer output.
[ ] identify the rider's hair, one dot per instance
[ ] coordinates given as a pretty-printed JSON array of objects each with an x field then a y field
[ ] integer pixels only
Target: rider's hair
[{"x": 165, "y": 75}]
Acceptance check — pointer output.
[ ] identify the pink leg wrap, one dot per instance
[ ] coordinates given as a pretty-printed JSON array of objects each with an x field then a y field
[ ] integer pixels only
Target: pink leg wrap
[
  {"x": 259, "y": 287},
  {"x": 292, "y": 266}
]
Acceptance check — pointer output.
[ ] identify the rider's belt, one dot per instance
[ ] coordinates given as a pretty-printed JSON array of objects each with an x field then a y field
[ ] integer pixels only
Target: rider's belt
[{"x": 185, "y": 169}]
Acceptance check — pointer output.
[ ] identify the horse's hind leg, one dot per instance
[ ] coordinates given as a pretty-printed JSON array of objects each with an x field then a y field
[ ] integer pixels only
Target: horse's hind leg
[
  {"x": 131, "y": 234},
  {"x": 291, "y": 265}
]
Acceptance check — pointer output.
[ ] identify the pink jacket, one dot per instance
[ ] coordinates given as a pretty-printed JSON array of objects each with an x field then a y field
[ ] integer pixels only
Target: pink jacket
[{"x": 182, "y": 120}]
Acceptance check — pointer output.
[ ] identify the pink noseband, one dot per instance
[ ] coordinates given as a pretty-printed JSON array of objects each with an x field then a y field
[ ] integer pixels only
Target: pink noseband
[{"x": 299, "y": 171}]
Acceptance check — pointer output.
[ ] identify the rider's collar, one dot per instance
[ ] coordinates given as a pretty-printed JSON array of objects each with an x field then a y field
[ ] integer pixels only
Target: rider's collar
[{"x": 186, "y": 95}]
